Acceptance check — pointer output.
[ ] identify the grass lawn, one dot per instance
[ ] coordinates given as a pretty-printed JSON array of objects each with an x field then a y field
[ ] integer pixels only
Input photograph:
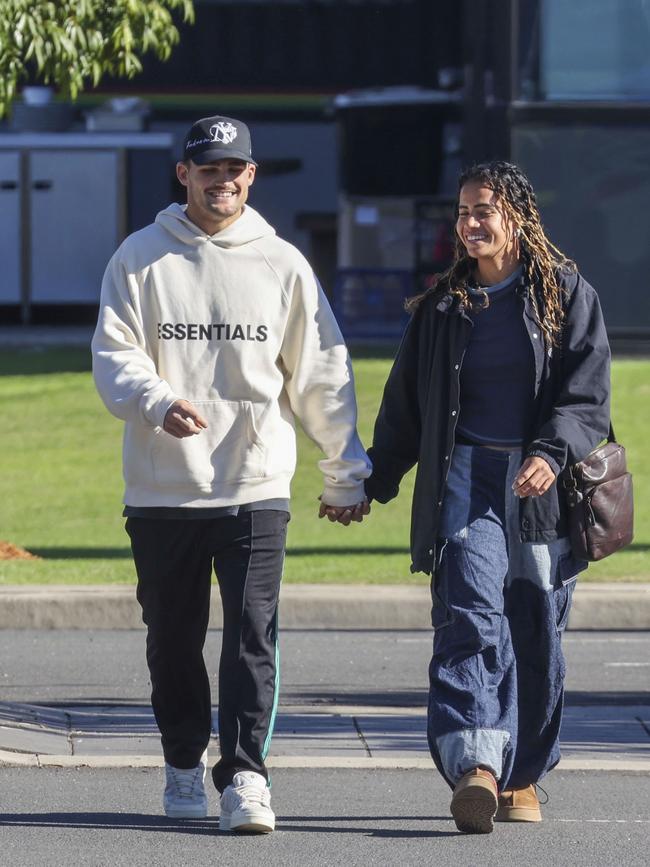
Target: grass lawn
[{"x": 61, "y": 482}]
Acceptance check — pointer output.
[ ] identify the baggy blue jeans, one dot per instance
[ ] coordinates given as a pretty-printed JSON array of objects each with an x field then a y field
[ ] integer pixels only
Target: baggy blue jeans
[{"x": 499, "y": 607}]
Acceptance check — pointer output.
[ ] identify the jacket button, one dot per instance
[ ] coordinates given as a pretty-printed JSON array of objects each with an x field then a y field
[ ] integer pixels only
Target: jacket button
[
  {"x": 535, "y": 335},
  {"x": 431, "y": 551},
  {"x": 446, "y": 457},
  {"x": 525, "y": 524},
  {"x": 456, "y": 366},
  {"x": 453, "y": 412}
]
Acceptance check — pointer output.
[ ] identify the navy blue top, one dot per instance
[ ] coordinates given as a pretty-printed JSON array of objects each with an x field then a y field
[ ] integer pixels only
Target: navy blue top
[{"x": 497, "y": 378}]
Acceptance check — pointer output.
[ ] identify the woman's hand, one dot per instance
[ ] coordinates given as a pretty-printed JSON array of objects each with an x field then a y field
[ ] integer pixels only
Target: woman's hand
[
  {"x": 534, "y": 478},
  {"x": 344, "y": 514}
]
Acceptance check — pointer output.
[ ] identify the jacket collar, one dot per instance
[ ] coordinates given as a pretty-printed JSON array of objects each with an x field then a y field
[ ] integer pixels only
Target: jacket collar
[{"x": 447, "y": 303}]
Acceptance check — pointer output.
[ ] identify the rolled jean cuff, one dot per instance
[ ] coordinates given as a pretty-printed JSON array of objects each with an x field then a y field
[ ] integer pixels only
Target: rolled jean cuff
[{"x": 464, "y": 750}]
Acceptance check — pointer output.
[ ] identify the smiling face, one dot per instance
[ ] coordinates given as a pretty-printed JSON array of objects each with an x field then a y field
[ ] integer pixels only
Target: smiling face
[
  {"x": 216, "y": 192},
  {"x": 486, "y": 232}
]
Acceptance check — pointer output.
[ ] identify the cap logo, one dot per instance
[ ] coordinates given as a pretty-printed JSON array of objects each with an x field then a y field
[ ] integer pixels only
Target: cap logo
[{"x": 223, "y": 132}]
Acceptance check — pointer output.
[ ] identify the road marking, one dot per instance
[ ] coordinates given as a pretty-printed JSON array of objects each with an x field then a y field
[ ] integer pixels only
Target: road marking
[
  {"x": 580, "y": 764},
  {"x": 426, "y": 640},
  {"x": 608, "y": 821},
  {"x": 580, "y": 639},
  {"x": 627, "y": 664}
]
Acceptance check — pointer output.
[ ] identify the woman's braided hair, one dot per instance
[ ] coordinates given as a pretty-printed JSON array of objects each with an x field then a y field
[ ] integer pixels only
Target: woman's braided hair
[{"x": 540, "y": 258}]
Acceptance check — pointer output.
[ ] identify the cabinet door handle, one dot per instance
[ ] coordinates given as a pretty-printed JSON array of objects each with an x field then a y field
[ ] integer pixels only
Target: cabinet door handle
[
  {"x": 42, "y": 185},
  {"x": 8, "y": 185}
]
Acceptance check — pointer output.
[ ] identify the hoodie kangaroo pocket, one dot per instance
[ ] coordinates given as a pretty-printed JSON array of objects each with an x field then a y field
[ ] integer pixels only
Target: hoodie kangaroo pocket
[{"x": 228, "y": 450}]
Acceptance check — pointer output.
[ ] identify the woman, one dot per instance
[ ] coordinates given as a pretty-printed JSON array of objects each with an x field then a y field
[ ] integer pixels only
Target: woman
[{"x": 501, "y": 382}]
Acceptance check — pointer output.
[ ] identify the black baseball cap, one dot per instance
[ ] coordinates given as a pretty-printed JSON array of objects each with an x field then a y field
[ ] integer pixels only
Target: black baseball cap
[{"x": 218, "y": 138}]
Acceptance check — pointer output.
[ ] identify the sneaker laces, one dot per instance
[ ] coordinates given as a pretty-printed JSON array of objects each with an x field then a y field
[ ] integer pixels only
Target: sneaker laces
[
  {"x": 184, "y": 780},
  {"x": 249, "y": 791},
  {"x": 543, "y": 791},
  {"x": 252, "y": 794}
]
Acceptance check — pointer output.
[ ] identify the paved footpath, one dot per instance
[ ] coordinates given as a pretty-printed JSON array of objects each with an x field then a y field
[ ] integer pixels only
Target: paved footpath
[{"x": 350, "y": 699}]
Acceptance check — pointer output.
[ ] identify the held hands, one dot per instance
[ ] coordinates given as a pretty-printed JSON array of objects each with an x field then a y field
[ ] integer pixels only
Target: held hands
[
  {"x": 344, "y": 514},
  {"x": 183, "y": 420},
  {"x": 534, "y": 478}
]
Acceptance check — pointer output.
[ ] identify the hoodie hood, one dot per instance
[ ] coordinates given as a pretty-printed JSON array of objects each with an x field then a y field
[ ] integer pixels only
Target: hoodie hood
[{"x": 251, "y": 226}]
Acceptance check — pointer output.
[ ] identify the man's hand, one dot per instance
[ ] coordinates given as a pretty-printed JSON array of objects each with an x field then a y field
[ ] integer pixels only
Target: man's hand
[
  {"x": 183, "y": 420},
  {"x": 344, "y": 514},
  {"x": 534, "y": 478}
]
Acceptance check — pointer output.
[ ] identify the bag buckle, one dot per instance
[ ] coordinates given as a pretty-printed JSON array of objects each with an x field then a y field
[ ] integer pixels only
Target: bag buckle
[{"x": 573, "y": 495}]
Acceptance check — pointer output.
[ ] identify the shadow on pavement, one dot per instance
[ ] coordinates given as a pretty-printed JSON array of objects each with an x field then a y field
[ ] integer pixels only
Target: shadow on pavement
[
  {"x": 123, "y": 821},
  {"x": 204, "y": 827},
  {"x": 312, "y": 825}
]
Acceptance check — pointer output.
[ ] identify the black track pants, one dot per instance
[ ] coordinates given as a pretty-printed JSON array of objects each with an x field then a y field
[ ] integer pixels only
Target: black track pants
[{"x": 174, "y": 560}]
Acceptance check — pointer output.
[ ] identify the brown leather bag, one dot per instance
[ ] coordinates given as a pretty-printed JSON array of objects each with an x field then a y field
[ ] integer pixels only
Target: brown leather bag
[{"x": 599, "y": 496}]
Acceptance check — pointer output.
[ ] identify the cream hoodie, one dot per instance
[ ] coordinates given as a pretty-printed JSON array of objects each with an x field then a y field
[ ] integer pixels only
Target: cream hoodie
[{"x": 237, "y": 324}]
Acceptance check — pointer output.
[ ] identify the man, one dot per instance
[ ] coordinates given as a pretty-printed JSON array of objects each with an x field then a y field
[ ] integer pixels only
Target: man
[{"x": 213, "y": 334}]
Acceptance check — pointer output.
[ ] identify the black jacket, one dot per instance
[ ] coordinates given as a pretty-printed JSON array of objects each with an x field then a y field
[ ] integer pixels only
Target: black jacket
[{"x": 417, "y": 418}]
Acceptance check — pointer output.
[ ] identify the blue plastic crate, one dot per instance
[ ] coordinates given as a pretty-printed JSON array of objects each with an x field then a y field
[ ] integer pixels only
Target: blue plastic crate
[{"x": 369, "y": 303}]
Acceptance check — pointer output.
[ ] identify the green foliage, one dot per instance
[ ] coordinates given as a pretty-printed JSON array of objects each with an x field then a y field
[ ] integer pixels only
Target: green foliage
[{"x": 74, "y": 43}]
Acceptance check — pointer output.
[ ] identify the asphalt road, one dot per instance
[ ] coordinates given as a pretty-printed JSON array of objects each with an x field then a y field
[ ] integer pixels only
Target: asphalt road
[
  {"x": 366, "y": 667},
  {"x": 325, "y": 816},
  {"x": 328, "y": 817}
]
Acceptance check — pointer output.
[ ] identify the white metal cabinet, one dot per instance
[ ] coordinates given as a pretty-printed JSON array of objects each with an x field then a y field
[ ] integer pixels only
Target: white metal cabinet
[
  {"x": 10, "y": 222},
  {"x": 74, "y": 220},
  {"x": 66, "y": 201}
]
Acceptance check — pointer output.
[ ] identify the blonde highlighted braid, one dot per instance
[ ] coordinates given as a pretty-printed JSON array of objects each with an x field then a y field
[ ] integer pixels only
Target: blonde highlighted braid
[{"x": 540, "y": 258}]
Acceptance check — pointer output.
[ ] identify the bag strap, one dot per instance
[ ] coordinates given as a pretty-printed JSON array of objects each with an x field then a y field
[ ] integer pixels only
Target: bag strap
[{"x": 611, "y": 436}]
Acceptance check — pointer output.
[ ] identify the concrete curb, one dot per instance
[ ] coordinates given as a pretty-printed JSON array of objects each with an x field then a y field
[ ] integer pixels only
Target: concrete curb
[
  {"x": 610, "y": 606},
  {"x": 303, "y": 606},
  {"x": 38, "y": 760}
]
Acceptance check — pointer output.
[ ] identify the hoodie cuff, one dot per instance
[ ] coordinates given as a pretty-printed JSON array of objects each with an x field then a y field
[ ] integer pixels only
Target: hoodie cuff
[
  {"x": 154, "y": 410},
  {"x": 348, "y": 496}
]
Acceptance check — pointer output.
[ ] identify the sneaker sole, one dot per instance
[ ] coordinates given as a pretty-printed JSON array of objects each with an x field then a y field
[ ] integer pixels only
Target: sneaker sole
[
  {"x": 473, "y": 810},
  {"x": 247, "y": 823}
]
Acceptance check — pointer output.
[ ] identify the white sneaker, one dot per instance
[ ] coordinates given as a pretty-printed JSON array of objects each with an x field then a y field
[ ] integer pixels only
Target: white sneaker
[
  {"x": 185, "y": 796},
  {"x": 246, "y": 805}
]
